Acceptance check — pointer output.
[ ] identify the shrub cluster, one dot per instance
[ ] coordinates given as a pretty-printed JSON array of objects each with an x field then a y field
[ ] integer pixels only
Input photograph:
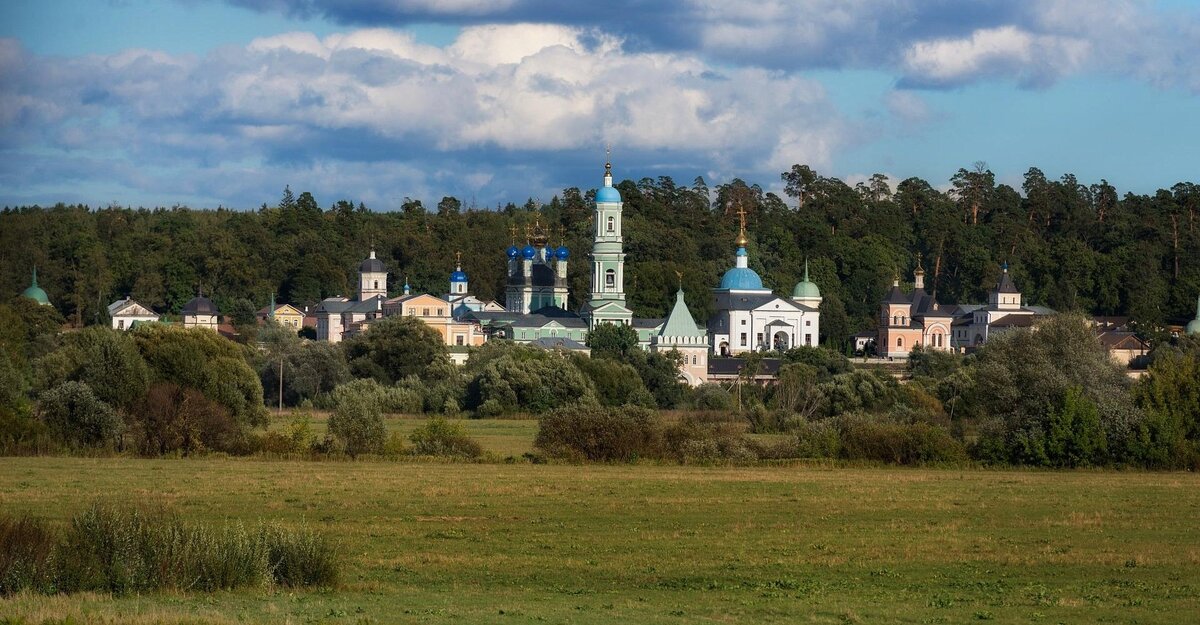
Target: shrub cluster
[{"x": 117, "y": 550}]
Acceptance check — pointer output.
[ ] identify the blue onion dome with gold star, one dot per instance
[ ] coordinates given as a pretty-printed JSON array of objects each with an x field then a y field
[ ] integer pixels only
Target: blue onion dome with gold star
[
  {"x": 562, "y": 253},
  {"x": 458, "y": 276},
  {"x": 608, "y": 193},
  {"x": 528, "y": 252},
  {"x": 513, "y": 251}
]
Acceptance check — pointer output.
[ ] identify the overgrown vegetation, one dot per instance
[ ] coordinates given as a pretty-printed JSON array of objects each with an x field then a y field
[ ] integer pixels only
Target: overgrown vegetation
[{"x": 124, "y": 550}]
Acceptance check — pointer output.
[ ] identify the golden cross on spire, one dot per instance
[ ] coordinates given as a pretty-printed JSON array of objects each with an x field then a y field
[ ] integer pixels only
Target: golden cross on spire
[
  {"x": 512, "y": 231},
  {"x": 679, "y": 275},
  {"x": 741, "y": 213},
  {"x": 458, "y": 259},
  {"x": 608, "y": 159}
]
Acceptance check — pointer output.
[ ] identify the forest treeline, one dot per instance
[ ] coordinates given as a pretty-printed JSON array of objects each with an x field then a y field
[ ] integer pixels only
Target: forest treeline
[{"x": 1071, "y": 246}]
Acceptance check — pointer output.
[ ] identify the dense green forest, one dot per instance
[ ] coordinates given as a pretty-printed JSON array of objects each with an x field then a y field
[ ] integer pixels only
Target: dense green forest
[{"x": 1071, "y": 246}]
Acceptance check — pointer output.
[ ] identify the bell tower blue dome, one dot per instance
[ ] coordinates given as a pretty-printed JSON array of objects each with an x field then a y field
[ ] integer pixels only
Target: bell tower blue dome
[
  {"x": 513, "y": 251},
  {"x": 528, "y": 252},
  {"x": 458, "y": 276},
  {"x": 562, "y": 253},
  {"x": 608, "y": 194}
]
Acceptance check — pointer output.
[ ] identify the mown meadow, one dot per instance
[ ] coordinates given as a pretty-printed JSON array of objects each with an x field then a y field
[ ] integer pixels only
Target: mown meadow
[{"x": 428, "y": 542}]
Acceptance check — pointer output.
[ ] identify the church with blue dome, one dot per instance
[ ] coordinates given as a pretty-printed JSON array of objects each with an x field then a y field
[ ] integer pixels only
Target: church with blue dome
[{"x": 750, "y": 317}]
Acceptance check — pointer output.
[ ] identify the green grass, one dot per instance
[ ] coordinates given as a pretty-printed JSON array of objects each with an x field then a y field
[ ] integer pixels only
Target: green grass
[
  {"x": 502, "y": 437},
  {"x": 470, "y": 543}
]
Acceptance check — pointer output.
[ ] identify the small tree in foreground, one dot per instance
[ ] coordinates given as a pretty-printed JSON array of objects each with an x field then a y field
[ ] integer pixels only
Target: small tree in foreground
[{"x": 357, "y": 420}]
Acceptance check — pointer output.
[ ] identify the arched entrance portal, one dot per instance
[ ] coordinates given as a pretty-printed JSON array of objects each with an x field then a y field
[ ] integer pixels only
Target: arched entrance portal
[{"x": 780, "y": 342}]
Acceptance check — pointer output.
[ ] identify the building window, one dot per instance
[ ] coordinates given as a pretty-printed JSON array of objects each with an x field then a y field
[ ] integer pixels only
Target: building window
[
  {"x": 440, "y": 312},
  {"x": 758, "y": 339},
  {"x": 612, "y": 224},
  {"x": 808, "y": 339},
  {"x": 458, "y": 339},
  {"x": 743, "y": 322},
  {"x": 610, "y": 277},
  {"x": 695, "y": 359},
  {"x": 808, "y": 322},
  {"x": 424, "y": 312},
  {"x": 376, "y": 285},
  {"x": 743, "y": 343},
  {"x": 899, "y": 341},
  {"x": 121, "y": 324}
]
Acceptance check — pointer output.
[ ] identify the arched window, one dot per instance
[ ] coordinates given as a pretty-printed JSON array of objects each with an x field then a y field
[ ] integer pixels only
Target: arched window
[
  {"x": 376, "y": 285},
  {"x": 610, "y": 276},
  {"x": 899, "y": 341},
  {"x": 612, "y": 223}
]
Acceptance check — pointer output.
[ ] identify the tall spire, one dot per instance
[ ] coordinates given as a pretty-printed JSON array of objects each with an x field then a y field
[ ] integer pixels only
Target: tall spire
[
  {"x": 806, "y": 269},
  {"x": 34, "y": 282},
  {"x": 608, "y": 165},
  {"x": 458, "y": 261}
]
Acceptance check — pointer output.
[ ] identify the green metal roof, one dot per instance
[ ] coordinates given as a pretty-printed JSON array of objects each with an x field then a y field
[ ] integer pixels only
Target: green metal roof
[
  {"x": 805, "y": 288},
  {"x": 35, "y": 292},
  {"x": 680, "y": 321}
]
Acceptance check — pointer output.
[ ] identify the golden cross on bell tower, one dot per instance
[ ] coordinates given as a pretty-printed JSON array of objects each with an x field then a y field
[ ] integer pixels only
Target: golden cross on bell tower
[
  {"x": 512, "y": 231},
  {"x": 608, "y": 159},
  {"x": 679, "y": 275},
  {"x": 458, "y": 259}
]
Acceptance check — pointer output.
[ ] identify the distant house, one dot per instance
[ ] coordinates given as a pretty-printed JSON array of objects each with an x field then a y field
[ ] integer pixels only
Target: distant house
[
  {"x": 284, "y": 314},
  {"x": 436, "y": 313},
  {"x": 125, "y": 312},
  {"x": 200, "y": 312},
  {"x": 1124, "y": 347}
]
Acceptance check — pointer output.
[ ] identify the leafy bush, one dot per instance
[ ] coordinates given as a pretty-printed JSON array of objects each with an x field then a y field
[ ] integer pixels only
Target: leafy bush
[
  {"x": 204, "y": 360},
  {"x": 603, "y": 434},
  {"x": 78, "y": 418},
  {"x": 508, "y": 378},
  {"x": 704, "y": 440},
  {"x": 866, "y": 438},
  {"x": 357, "y": 419},
  {"x": 711, "y": 396},
  {"x": 440, "y": 437},
  {"x": 174, "y": 419}
]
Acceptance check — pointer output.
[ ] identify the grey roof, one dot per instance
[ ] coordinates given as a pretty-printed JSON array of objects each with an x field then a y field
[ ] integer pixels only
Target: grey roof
[
  {"x": 541, "y": 321},
  {"x": 554, "y": 342},
  {"x": 742, "y": 301},
  {"x": 554, "y": 311},
  {"x": 896, "y": 296},
  {"x": 1006, "y": 283},
  {"x": 332, "y": 305},
  {"x": 1040, "y": 310},
  {"x": 646, "y": 323},
  {"x": 731, "y": 366},
  {"x": 372, "y": 304},
  {"x": 199, "y": 305},
  {"x": 372, "y": 265}
]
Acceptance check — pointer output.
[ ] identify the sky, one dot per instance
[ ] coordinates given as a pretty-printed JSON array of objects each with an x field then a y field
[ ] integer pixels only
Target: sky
[{"x": 212, "y": 103}]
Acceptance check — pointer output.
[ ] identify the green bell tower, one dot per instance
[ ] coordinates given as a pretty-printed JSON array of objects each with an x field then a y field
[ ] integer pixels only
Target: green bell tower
[{"x": 607, "y": 304}]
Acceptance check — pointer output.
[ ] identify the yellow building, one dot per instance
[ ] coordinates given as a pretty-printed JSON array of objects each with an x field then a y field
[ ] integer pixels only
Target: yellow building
[
  {"x": 285, "y": 315},
  {"x": 435, "y": 312}
]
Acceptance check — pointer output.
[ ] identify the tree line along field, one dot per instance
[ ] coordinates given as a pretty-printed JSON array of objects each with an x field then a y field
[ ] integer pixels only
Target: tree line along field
[{"x": 500, "y": 543}]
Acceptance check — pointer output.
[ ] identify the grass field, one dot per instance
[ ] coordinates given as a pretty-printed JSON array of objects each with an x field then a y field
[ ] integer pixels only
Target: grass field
[{"x": 500, "y": 543}]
